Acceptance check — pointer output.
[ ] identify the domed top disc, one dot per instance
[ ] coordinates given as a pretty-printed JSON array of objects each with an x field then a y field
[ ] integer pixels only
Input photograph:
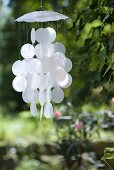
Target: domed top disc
[{"x": 41, "y": 16}]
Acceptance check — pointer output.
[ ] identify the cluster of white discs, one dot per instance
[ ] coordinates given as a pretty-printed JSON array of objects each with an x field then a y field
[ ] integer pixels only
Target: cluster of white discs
[{"x": 43, "y": 72}]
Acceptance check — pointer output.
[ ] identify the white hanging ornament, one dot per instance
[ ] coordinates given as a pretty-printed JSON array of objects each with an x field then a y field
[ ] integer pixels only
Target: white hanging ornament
[
  {"x": 19, "y": 83},
  {"x": 33, "y": 35},
  {"x": 33, "y": 108},
  {"x": 27, "y": 51},
  {"x": 44, "y": 70}
]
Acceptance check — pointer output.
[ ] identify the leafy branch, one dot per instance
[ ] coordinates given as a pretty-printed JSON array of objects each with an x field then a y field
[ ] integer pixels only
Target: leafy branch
[{"x": 108, "y": 154}]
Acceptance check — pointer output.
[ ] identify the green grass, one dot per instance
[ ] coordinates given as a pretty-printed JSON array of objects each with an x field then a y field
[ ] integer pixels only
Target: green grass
[{"x": 25, "y": 126}]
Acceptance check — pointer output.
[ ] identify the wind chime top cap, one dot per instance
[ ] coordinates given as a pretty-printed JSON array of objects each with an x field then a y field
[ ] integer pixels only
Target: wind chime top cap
[{"x": 41, "y": 16}]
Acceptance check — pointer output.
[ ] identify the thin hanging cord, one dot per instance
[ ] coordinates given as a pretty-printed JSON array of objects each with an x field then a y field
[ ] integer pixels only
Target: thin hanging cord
[
  {"x": 19, "y": 39},
  {"x": 26, "y": 31},
  {"x": 64, "y": 28},
  {"x": 57, "y": 26},
  {"x": 41, "y": 4}
]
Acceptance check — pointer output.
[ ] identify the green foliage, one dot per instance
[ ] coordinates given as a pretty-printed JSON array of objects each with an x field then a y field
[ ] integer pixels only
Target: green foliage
[
  {"x": 23, "y": 126},
  {"x": 108, "y": 154}
]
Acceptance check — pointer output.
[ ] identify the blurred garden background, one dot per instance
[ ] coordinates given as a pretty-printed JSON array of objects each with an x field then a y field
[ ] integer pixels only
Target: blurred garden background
[{"x": 83, "y": 124}]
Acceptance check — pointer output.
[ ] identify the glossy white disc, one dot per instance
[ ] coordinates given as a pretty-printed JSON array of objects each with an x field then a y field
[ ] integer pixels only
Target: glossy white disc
[
  {"x": 27, "y": 51},
  {"x": 59, "y": 59},
  {"x": 19, "y": 83},
  {"x": 33, "y": 35},
  {"x": 41, "y": 16},
  {"x": 59, "y": 74},
  {"x": 68, "y": 65},
  {"x": 64, "y": 82},
  {"x": 57, "y": 95},
  {"x": 18, "y": 68},
  {"x": 28, "y": 95},
  {"x": 42, "y": 35},
  {"x": 59, "y": 47},
  {"x": 35, "y": 66},
  {"x": 44, "y": 50},
  {"x": 52, "y": 34}
]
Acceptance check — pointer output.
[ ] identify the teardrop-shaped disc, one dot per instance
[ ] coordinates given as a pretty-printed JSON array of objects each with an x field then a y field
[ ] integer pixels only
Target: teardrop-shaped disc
[
  {"x": 18, "y": 68},
  {"x": 36, "y": 95},
  {"x": 48, "y": 110},
  {"x": 57, "y": 95},
  {"x": 19, "y": 83},
  {"x": 27, "y": 51},
  {"x": 59, "y": 47},
  {"x": 33, "y": 35},
  {"x": 48, "y": 95},
  {"x": 52, "y": 34},
  {"x": 42, "y": 97},
  {"x": 68, "y": 65},
  {"x": 33, "y": 108}
]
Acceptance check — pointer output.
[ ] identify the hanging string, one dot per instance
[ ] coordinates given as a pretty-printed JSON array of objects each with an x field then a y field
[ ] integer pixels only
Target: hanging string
[
  {"x": 57, "y": 26},
  {"x": 41, "y": 4},
  {"x": 19, "y": 38},
  {"x": 64, "y": 28},
  {"x": 27, "y": 32}
]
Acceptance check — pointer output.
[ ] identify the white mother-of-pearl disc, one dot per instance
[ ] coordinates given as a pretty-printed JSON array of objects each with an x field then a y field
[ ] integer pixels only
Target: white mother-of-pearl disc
[
  {"x": 59, "y": 74},
  {"x": 35, "y": 66},
  {"x": 59, "y": 59},
  {"x": 68, "y": 65},
  {"x": 18, "y": 68},
  {"x": 44, "y": 50},
  {"x": 62, "y": 85},
  {"x": 33, "y": 35},
  {"x": 57, "y": 95},
  {"x": 41, "y": 16},
  {"x": 59, "y": 47},
  {"x": 52, "y": 34},
  {"x": 28, "y": 95},
  {"x": 64, "y": 82},
  {"x": 33, "y": 108},
  {"x": 42, "y": 35},
  {"x": 48, "y": 110},
  {"x": 42, "y": 97},
  {"x": 27, "y": 51},
  {"x": 35, "y": 81},
  {"x": 19, "y": 83},
  {"x": 48, "y": 64}
]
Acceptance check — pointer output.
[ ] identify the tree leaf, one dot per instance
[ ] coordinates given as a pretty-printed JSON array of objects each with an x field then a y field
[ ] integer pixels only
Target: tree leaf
[
  {"x": 108, "y": 150},
  {"x": 108, "y": 68}
]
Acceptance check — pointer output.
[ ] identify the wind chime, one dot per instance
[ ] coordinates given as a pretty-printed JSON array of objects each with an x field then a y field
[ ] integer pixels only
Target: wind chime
[{"x": 43, "y": 72}]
